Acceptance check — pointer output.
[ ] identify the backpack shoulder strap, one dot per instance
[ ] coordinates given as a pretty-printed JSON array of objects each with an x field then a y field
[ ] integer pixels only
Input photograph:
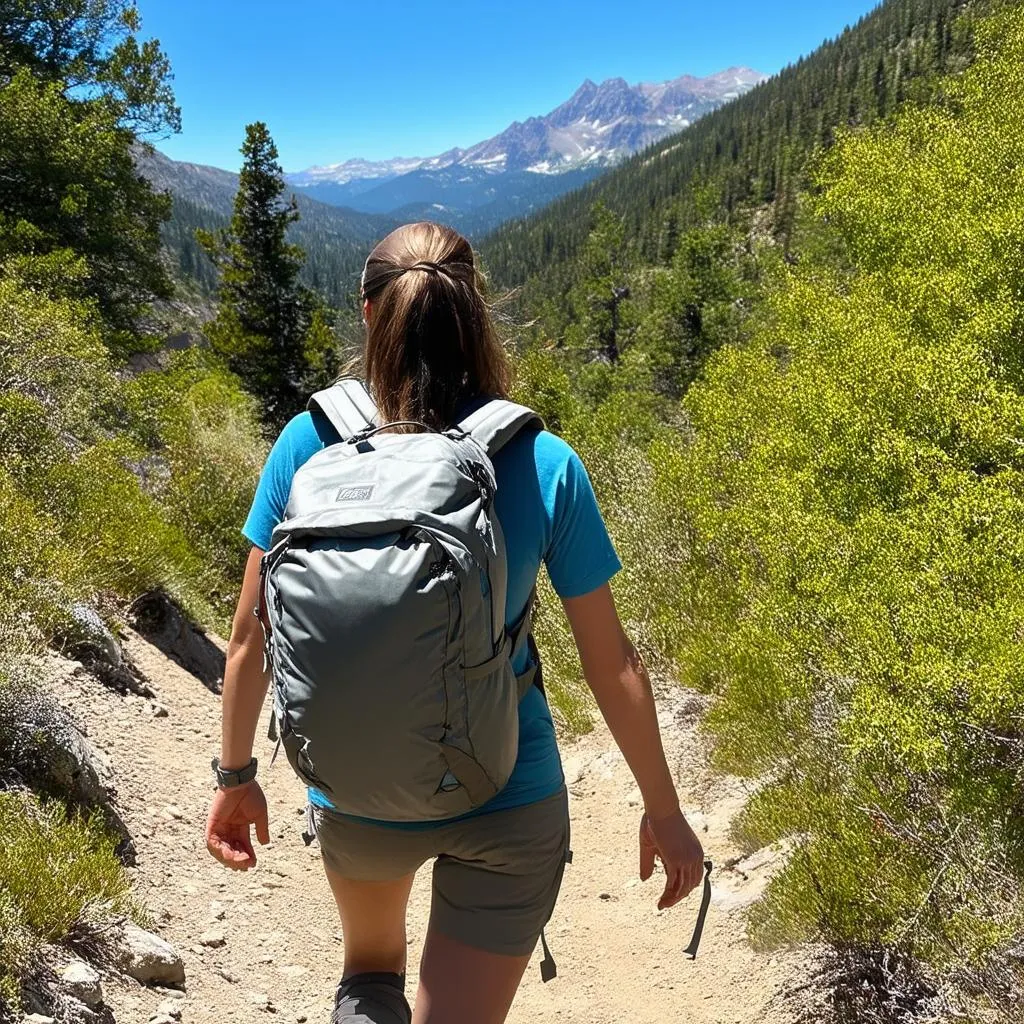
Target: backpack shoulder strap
[
  {"x": 348, "y": 406},
  {"x": 496, "y": 422}
]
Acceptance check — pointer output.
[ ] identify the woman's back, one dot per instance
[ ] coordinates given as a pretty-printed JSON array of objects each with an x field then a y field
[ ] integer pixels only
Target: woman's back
[{"x": 546, "y": 506}]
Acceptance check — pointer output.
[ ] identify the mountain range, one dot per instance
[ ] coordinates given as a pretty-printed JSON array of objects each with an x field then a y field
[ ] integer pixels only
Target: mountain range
[
  {"x": 530, "y": 162},
  {"x": 345, "y": 207}
]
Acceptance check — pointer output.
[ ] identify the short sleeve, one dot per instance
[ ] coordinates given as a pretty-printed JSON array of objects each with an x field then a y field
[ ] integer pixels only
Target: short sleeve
[
  {"x": 581, "y": 556},
  {"x": 297, "y": 442}
]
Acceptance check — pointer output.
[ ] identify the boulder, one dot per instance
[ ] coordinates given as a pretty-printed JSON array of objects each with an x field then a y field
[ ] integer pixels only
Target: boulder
[
  {"x": 163, "y": 624},
  {"x": 41, "y": 746},
  {"x": 74, "y": 1011},
  {"x": 148, "y": 958},
  {"x": 81, "y": 982},
  {"x": 87, "y": 637}
]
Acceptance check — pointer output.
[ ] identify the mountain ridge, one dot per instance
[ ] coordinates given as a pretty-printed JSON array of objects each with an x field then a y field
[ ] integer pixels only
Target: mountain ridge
[{"x": 570, "y": 136}]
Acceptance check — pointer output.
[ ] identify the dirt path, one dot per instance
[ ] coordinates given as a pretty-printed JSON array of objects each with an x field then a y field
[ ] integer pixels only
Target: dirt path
[{"x": 268, "y": 942}]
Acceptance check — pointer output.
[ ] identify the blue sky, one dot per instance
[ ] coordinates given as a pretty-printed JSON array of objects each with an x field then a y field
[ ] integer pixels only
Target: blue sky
[{"x": 336, "y": 79}]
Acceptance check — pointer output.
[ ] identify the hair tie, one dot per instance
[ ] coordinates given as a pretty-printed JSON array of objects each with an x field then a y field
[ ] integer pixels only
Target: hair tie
[{"x": 374, "y": 279}]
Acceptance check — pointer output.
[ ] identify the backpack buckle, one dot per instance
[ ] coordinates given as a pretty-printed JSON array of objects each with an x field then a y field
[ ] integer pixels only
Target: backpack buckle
[{"x": 359, "y": 436}]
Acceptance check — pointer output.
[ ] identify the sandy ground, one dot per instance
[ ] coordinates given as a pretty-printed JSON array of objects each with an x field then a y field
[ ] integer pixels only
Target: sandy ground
[{"x": 268, "y": 943}]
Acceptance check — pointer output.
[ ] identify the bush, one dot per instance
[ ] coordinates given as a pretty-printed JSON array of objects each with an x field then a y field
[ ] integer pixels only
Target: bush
[
  {"x": 204, "y": 428},
  {"x": 110, "y": 485},
  {"x": 615, "y": 440},
  {"x": 853, "y": 495},
  {"x": 57, "y": 873}
]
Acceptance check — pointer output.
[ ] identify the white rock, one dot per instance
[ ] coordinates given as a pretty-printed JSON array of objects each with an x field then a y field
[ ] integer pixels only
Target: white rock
[
  {"x": 213, "y": 939},
  {"x": 169, "y": 1008},
  {"x": 162, "y": 1018},
  {"x": 81, "y": 982},
  {"x": 574, "y": 769},
  {"x": 148, "y": 958},
  {"x": 74, "y": 1011},
  {"x": 38, "y": 1018}
]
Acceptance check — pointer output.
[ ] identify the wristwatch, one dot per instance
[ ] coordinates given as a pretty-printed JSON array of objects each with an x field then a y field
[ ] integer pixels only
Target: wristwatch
[{"x": 228, "y": 780}]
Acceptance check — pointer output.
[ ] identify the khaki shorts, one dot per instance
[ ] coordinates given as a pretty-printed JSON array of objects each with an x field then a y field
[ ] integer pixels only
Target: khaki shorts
[{"x": 496, "y": 876}]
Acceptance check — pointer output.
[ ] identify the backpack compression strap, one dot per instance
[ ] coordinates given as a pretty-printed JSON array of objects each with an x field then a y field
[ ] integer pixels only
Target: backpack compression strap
[{"x": 348, "y": 406}]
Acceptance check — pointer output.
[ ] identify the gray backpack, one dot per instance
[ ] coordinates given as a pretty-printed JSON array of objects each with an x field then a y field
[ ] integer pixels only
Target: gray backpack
[{"x": 383, "y": 602}]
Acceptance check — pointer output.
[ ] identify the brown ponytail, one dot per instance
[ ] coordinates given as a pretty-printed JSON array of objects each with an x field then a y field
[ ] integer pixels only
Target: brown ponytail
[{"x": 430, "y": 342}]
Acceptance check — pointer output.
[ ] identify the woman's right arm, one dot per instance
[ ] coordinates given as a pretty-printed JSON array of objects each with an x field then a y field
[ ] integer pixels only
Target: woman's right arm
[
  {"x": 245, "y": 682},
  {"x": 234, "y": 810}
]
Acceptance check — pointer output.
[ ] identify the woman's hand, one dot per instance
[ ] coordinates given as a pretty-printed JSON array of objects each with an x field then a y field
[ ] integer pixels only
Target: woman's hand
[
  {"x": 673, "y": 841},
  {"x": 227, "y": 827}
]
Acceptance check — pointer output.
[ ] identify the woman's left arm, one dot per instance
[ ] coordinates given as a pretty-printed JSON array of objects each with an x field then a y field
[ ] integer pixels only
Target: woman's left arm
[{"x": 616, "y": 675}]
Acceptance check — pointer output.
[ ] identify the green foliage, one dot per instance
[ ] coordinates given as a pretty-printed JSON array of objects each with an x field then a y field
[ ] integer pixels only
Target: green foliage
[
  {"x": 92, "y": 47},
  {"x": 69, "y": 185},
  {"x": 852, "y": 497},
  {"x": 613, "y": 437},
  {"x": 78, "y": 87},
  {"x": 601, "y": 298},
  {"x": 111, "y": 486},
  {"x": 751, "y": 153},
  {"x": 204, "y": 433},
  {"x": 57, "y": 872},
  {"x": 270, "y": 330},
  {"x": 826, "y": 533}
]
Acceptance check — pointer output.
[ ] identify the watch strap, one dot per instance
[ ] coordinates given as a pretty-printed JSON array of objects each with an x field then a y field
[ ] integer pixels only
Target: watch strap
[{"x": 231, "y": 779}]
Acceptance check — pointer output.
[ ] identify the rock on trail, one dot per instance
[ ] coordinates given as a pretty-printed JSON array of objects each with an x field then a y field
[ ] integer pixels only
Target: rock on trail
[{"x": 268, "y": 942}]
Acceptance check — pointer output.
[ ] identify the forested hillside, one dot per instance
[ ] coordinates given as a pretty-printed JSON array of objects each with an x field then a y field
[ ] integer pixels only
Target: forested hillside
[
  {"x": 752, "y": 153},
  {"x": 810, "y": 456},
  {"x": 335, "y": 240}
]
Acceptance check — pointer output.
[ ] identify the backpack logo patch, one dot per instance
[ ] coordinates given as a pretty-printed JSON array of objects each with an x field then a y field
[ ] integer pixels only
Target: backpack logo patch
[{"x": 356, "y": 492}]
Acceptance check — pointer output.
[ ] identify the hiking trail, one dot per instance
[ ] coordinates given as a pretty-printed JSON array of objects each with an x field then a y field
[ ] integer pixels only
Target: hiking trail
[{"x": 269, "y": 942}]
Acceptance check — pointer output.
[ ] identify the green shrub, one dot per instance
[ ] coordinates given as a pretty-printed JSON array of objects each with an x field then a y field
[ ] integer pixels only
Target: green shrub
[
  {"x": 851, "y": 500},
  {"x": 114, "y": 485},
  {"x": 203, "y": 427},
  {"x": 57, "y": 872},
  {"x": 615, "y": 439}
]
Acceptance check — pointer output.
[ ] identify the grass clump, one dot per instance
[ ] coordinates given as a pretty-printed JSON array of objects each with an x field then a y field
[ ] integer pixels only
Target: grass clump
[{"x": 58, "y": 872}]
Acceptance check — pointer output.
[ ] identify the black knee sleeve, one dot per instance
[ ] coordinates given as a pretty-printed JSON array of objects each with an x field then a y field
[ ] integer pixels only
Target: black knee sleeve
[{"x": 376, "y": 997}]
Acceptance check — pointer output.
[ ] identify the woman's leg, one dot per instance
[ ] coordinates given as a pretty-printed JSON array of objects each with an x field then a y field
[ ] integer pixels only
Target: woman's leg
[
  {"x": 463, "y": 985},
  {"x": 494, "y": 889},
  {"x": 372, "y": 922}
]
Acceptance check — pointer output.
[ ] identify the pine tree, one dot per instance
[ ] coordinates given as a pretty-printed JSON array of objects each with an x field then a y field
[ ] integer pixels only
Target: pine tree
[
  {"x": 603, "y": 324},
  {"x": 270, "y": 329},
  {"x": 78, "y": 91}
]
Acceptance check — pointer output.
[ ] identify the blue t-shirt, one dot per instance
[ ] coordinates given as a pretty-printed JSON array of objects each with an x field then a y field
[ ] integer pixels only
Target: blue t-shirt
[{"x": 549, "y": 515}]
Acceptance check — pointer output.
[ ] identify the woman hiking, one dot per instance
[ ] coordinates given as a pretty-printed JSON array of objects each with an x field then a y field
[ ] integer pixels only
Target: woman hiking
[{"x": 481, "y": 795}]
